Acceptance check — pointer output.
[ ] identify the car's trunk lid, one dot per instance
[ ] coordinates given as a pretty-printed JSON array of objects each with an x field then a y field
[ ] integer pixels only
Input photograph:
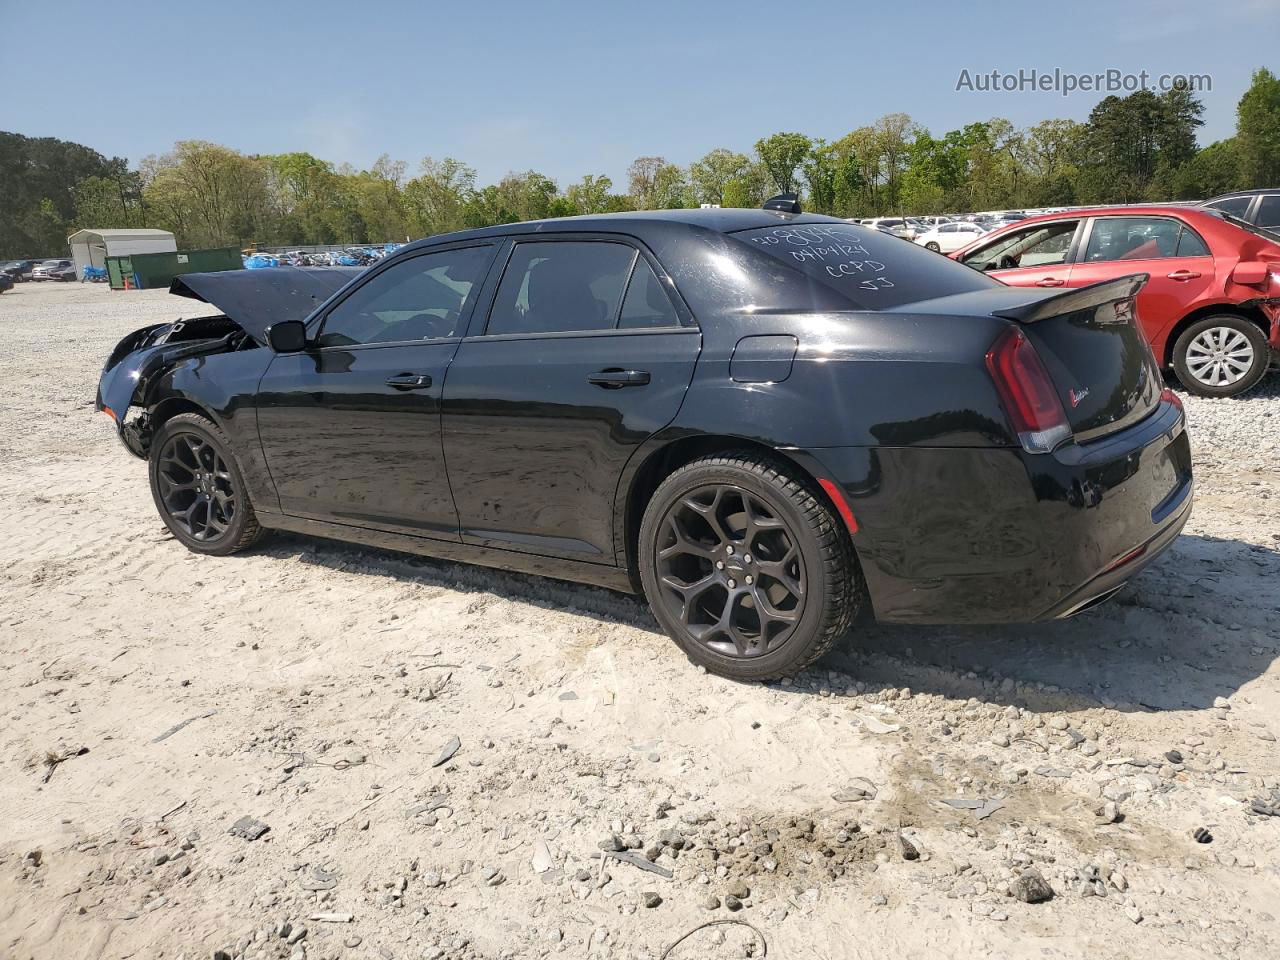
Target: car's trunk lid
[{"x": 1089, "y": 341}]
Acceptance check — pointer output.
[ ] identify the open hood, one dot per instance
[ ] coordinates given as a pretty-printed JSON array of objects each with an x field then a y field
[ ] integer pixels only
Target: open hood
[{"x": 255, "y": 299}]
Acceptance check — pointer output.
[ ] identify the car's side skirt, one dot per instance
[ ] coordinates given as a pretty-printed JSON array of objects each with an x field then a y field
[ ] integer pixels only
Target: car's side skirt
[{"x": 597, "y": 574}]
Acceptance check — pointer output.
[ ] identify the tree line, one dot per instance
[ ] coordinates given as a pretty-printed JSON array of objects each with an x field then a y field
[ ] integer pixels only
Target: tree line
[{"x": 1141, "y": 147}]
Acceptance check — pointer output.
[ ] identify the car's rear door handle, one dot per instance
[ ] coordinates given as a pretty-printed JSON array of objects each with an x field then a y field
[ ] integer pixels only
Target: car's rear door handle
[
  {"x": 409, "y": 381},
  {"x": 1183, "y": 275},
  {"x": 1051, "y": 282},
  {"x": 616, "y": 377}
]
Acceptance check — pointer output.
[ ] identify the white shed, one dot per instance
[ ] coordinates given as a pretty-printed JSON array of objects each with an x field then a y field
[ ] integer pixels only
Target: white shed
[{"x": 90, "y": 248}]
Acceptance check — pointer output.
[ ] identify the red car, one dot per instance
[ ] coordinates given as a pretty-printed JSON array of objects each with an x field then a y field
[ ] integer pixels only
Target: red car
[{"x": 1211, "y": 309}]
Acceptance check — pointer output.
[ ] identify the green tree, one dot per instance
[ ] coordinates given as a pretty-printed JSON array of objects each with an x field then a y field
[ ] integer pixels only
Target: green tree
[
  {"x": 641, "y": 179},
  {"x": 379, "y": 200},
  {"x": 1212, "y": 171},
  {"x": 207, "y": 194},
  {"x": 671, "y": 189},
  {"x": 38, "y": 169},
  {"x": 1258, "y": 131},
  {"x": 436, "y": 200},
  {"x": 591, "y": 194},
  {"x": 782, "y": 156},
  {"x": 710, "y": 175},
  {"x": 104, "y": 202}
]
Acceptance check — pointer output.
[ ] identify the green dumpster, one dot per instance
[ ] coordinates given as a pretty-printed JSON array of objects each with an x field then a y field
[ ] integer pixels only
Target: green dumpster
[{"x": 144, "y": 271}]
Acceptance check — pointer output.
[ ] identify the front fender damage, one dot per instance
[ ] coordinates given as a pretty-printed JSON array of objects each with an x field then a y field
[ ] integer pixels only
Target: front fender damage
[{"x": 143, "y": 356}]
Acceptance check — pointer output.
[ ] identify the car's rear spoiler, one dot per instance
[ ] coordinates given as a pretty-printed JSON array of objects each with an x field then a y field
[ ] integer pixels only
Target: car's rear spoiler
[{"x": 1073, "y": 301}]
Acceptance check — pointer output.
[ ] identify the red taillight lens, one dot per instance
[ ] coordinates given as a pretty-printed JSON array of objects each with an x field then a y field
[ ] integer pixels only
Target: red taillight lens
[{"x": 1027, "y": 393}]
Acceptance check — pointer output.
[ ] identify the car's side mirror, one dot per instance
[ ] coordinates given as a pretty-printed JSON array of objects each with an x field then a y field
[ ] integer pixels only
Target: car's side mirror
[{"x": 287, "y": 336}]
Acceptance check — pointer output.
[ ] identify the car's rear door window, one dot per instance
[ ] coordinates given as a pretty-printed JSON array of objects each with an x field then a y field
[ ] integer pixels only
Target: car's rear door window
[
  {"x": 561, "y": 286},
  {"x": 1135, "y": 238},
  {"x": 646, "y": 303},
  {"x": 1190, "y": 244},
  {"x": 871, "y": 268}
]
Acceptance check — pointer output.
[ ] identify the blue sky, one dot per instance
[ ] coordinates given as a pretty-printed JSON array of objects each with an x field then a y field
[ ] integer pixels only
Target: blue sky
[{"x": 569, "y": 88}]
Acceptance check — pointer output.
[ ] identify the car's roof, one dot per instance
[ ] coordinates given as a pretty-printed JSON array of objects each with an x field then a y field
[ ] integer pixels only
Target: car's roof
[
  {"x": 1145, "y": 210},
  {"x": 723, "y": 220},
  {"x": 1241, "y": 193}
]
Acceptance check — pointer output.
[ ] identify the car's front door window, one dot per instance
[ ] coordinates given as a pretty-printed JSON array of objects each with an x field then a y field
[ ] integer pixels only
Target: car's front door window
[
  {"x": 421, "y": 298},
  {"x": 1044, "y": 245}
]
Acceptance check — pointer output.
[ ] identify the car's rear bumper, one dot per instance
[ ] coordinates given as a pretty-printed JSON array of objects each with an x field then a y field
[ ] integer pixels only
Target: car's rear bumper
[{"x": 996, "y": 535}]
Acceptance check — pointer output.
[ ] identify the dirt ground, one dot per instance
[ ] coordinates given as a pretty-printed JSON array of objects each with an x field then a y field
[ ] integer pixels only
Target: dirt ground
[{"x": 150, "y": 699}]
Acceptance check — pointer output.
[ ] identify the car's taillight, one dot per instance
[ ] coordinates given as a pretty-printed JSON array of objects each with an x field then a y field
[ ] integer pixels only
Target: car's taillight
[{"x": 1027, "y": 393}]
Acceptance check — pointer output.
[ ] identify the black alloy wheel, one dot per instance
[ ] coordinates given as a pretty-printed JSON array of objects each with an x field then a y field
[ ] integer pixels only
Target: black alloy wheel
[
  {"x": 197, "y": 487},
  {"x": 747, "y": 567},
  {"x": 731, "y": 572}
]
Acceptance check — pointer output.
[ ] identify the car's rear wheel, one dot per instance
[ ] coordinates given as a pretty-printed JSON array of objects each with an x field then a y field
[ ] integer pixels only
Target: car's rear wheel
[
  {"x": 933, "y": 245},
  {"x": 747, "y": 567},
  {"x": 1221, "y": 356},
  {"x": 198, "y": 489}
]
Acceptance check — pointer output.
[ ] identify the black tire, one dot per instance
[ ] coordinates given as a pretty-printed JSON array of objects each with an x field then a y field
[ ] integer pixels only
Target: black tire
[
  {"x": 932, "y": 245},
  {"x": 198, "y": 488},
  {"x": 1238, "y": 341},
  {"x": 780, "y": 515}
]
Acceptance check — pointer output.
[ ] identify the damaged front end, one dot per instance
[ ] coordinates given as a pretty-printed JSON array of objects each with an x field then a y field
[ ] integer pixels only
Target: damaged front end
[
  {"x": 141, "y": 357},
  {"x": 250, "y": 301}
]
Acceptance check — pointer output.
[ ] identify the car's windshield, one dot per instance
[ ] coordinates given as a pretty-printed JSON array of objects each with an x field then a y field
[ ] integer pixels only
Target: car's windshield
[{"x": 873, "y": 270}]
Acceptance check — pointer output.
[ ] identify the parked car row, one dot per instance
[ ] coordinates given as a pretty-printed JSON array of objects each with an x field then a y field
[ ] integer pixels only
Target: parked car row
[
  {"x": 357, "y": 256},
  {"x": 57, "y": 268}
]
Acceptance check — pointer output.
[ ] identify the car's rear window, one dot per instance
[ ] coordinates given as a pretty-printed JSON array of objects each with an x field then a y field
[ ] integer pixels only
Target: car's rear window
[{"x": 871, "y": 268}]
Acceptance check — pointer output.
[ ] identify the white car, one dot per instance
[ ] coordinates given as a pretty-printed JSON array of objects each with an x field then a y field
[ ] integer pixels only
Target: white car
[
  {"x": 899, "y": 227},
  {"x": 950, "y": 237}
]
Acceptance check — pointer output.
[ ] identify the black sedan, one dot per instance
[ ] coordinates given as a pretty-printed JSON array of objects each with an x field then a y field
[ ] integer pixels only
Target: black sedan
[{"x": 765, "y": 421}]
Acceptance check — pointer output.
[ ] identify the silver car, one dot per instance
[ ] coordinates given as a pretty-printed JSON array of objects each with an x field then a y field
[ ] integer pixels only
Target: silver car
[{"x": 54, "y": 270}]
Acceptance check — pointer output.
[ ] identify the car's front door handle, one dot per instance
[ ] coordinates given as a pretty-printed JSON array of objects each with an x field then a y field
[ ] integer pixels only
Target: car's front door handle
[
  {"x": 409, "y": 381},
  {"x": 1183, "y": 275},
  {"x": 1051, "y": 282},
  {"x": 616, "y": 377}
]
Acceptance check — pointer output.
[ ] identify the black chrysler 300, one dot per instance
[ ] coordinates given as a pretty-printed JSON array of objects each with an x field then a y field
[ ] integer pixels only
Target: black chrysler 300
[{"x": 762, "y": 420}]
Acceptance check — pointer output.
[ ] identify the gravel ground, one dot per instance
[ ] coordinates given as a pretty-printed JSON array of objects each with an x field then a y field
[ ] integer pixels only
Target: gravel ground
[{"x": 457, "y": 762}]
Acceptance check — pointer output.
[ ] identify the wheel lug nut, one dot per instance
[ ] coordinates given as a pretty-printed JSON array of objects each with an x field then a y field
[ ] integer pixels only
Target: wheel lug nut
[
  {"x": 728, "y": 549},
  {"x": 749, "y": 579},
  {"x": 719, "y": 564},
  {"x": 747, "y": 558},
  {"x": 732, "y": 583}
]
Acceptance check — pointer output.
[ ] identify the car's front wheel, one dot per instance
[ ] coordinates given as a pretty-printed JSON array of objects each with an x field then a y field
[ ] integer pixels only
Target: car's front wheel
[
  {"x": 747, "y": 567},
  {"x": 1221, "y": 356},
  {"x": 198, "y": 488},
  {"x": 933, "y": 245}
]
